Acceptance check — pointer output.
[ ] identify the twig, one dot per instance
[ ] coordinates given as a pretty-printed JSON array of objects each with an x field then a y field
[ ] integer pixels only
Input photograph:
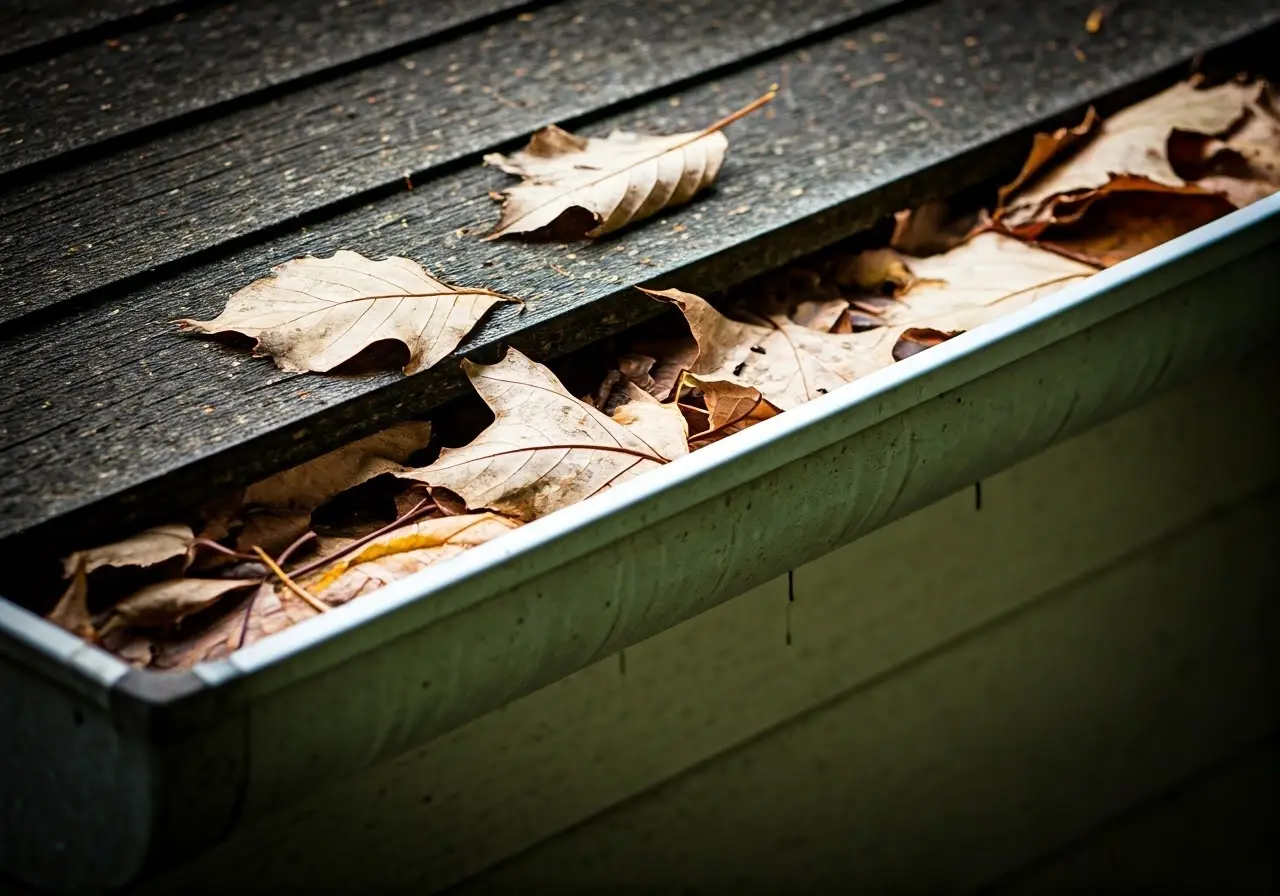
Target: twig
[
  {"x": 221, "y": 549},
  {"x": 422, "y": 507},
  {"x": 316, "y": 604},
  {"x": 291, "y": 549}
]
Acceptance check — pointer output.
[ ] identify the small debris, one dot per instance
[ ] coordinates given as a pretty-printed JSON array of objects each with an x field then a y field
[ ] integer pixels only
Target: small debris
[
  {"x": 1093, "y": 24},
  {"x": 740, "y": 210},
  {"x": 867, "y": 81}
]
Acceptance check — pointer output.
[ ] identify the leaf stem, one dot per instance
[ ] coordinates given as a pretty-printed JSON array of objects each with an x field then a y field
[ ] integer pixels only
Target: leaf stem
[
  {"x": 421, "y": 508},
  {"x": 741, "y": 113}
]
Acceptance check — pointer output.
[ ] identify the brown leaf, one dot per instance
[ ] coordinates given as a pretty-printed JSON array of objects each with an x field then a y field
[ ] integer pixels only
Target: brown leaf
[
  {"x": 730, "y": 408},
  {"x": 916, "y": 339},
  {"x": 820, "y": 315},
  {"x": 316, "y": 313},
  {"x": 72, "y": 610},
  {"x": 1244, "y": 165},
  {"x": 931, "y": 229},
  {"x": 269, "y": 611},
  {"x": 311, "y": 484},
  {"x": 875, "y": 271},
  {"x": 1129, "y": 152},
  {"x": 985, "y": 278},
  {"x": 1046, "y": 148},
  {"x": 1119, "y": 226},
  {"x": 276, "y": 510},
  {"x": 404, "y": 552},
  {"x": 588, "y": 186},
  {"x": 144, "y": 549},
  {"x": 167, "y": 602},
  {"x": 546, "y": 449}
]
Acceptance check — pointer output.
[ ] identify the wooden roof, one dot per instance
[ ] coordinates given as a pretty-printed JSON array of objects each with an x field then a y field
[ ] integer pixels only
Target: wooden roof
[{"x": 156, "y": 156}]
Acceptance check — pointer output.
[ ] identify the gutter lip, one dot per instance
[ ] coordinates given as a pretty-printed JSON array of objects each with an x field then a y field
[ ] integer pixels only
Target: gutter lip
[{"x": 484, "y": 572}]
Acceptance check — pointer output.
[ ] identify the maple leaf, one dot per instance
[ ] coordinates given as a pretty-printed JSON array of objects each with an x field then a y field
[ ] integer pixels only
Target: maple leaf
[
  {"x": 546, "y": 449},
  {"x": 403, "y": 552},
  {"x": 985, "y": 278},
  {"x": 1129, "y": 152},
  {"x": 588, "y": 186},
  {"x": 316, "y": 313},
  {"x": 147, "y": 548}
]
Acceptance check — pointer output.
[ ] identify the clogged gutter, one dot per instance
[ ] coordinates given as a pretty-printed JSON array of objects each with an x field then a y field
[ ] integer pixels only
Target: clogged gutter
[{"x": 344, "y": 525}]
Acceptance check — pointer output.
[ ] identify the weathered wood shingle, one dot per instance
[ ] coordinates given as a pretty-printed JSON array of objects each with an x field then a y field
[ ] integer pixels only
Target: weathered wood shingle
[{"x": 111, "y": 414}]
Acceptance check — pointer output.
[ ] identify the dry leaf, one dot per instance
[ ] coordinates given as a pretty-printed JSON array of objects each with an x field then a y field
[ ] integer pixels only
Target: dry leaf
[
  {"x": 1121, "y": 226},
  {"x": 875, "y": 270},
  {"x": 546, "y": 449},
  {"x": 276, "y": 510},
  {"x": 1129, "y": 152},
  {"x": 72, "y": 610},
  {"x": 985, "y": 278},
  {"x": 404, "y": 552},
  {"x": 1046, "y": 148},
  {"x": 916, "y": 339},
  {"x": 1244, "y": 165},
  {"x": 167, "y": 602},
  {"x": 144, "y": 549},
  {"x": 311, "y": 484},
  {"x": 730, "y": 408},
  {"x": 588, "y": 186},
  {"x": 931, "y": 229},
  {"x": 820, "y": 315},
  {"x": 316, "y": 313}
]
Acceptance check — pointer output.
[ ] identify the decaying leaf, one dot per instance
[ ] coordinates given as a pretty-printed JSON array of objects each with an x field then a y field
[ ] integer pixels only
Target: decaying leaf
[
  {"x": 1130, "y": 151},
  {"x": 931, "y": 229},
  {"x": 170, "y": 601},
  {"x": 72, "y": 609},
  {"x": 144, "y": 549},
  {"x": 875, "y": 270},
  {"x": 311, "y": 484},
  {"x": 588, "y": 186},
  {"x": 546, "y": 449},
  {"x": 404, "y": 552},
  {"x": 317, "y": 313},
  {"x": 276, "y": 510},
  {"x": 822, "y": 316},
  {"x": 987, "y": 277},
  {"x": 1121, "y": 226},
  {"x": 1046, "y": 148},
  {"x": 730, "y": 408},
  {"x": 916, "y": 339}
]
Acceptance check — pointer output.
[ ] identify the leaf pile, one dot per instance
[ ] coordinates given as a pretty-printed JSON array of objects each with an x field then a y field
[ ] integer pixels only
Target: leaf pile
[{"x": 375, "y": 511}]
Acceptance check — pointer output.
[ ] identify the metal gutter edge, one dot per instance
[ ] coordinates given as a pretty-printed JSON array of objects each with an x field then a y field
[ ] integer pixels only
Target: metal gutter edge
[{"x": 489, "y": 570}]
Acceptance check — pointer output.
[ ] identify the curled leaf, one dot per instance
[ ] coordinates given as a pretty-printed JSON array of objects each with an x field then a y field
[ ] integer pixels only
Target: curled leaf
[
  {"x": 1129, "y": 152},
  {"x": 147, "y": 548},
  {"x": 311, "y": 484},
  {"x": 916, "y": 339},
  {"x": 72, "y": 609},
  {"x": 170, "y": 601},
  {"x": 589, "y": 186},
  {"x": 316, "y": 313},
  {"x": 730, "y": 408},
  {"x": 546, "y": 449},
  {"x": 985, "y": 278}
]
